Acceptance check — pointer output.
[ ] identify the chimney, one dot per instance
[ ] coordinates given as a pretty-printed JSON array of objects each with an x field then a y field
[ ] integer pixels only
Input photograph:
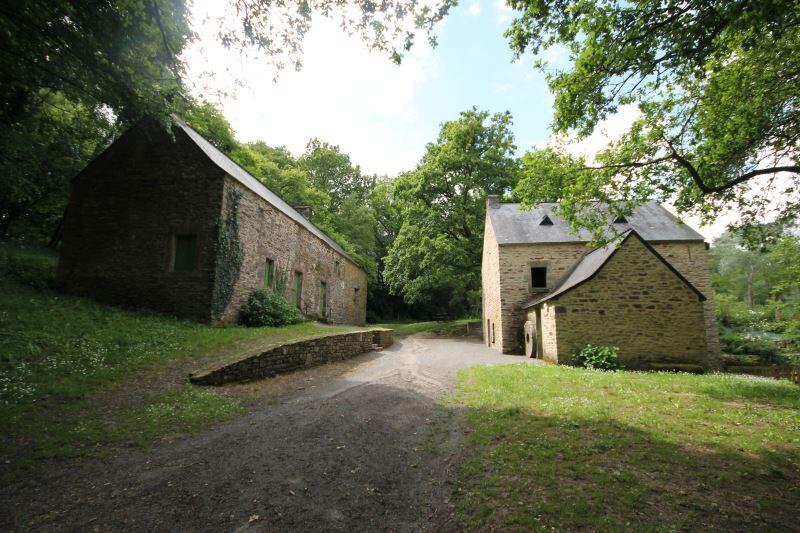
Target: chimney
[
  {"x": 305, "y": 210},
  {"x": 492, "y": 201}
]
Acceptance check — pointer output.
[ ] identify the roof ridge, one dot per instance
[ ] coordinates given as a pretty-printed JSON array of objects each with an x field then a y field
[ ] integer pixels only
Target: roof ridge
[{"x": 253, "y": 183}]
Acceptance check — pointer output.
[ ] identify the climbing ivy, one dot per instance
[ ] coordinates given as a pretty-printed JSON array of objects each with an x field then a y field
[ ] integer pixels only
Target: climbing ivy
[{"x": 229, "y": 252}]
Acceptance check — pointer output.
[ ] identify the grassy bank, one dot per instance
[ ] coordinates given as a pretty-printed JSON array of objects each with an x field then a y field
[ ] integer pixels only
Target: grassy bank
[
  {"x": 408, "y": 328},
  {"x": 566, "y": 448},
  {"x": 76, "y": 376}
]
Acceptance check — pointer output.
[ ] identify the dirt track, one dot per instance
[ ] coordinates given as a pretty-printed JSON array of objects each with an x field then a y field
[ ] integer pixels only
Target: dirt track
[{"x": 370, "y": 450}]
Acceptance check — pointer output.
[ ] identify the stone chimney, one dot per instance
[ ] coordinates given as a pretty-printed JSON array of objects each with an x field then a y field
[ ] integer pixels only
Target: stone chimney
[
  {"x": 305, "y": 210},
  {"x": 492, "y": 201}
]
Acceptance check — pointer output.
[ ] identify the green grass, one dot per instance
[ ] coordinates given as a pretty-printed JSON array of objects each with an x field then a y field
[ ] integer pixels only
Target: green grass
[
  {"x": 408, "y": 328},
  {"x": 77, "y": 376},
  {"x": 567, "y": 448}
]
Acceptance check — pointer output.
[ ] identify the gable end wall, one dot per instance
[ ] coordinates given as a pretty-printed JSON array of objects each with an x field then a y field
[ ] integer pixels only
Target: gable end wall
[
  {"x": 124, "y": 209},
  {"x": 635, "y": 302}
]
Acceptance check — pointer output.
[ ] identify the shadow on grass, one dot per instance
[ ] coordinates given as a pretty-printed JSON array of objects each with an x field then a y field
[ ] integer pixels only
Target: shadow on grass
[
  {"x": 526, "y": 472},
  {"x": 754, "y": 389}
]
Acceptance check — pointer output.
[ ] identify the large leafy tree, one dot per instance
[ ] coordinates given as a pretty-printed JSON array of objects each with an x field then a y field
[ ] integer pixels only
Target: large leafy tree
[
  {"x": 717, "y": 89},
  {"x": 60, "y": 136},
  {"x": 437, "y": 253}
]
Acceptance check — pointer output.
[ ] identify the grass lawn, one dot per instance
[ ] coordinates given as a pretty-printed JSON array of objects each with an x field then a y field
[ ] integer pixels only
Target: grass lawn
[
  {"x": 567, "y": 448},
  {"x": 77, "y": 376},
  {"x": 408, "y": 328}
]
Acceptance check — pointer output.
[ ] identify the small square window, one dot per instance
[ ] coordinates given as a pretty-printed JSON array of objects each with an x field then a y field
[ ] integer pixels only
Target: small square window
[
  {"x": 539, "y": 277},
  {"x": 185, "y": 253}
]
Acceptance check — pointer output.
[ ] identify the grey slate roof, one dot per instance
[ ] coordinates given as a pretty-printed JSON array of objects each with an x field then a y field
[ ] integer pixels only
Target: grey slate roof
[
  {"x": 592, "y": 262},
  {"x": 513, "y": 225},
  {"x": 244, "y": 177}
]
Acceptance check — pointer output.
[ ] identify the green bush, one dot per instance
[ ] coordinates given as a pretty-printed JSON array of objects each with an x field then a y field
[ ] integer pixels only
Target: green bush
[
  {"x": 739, "y": 344},
  {"x": 265, "y": 308},
  {"x": 598, "y": 357},
  {"x": 735, "y": 314},
  {"x": 30, "y": 266}
]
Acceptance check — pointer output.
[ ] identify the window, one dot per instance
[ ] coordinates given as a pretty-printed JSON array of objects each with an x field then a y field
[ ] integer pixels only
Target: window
[
  {"x": 355, "y": 295},
  {"x": 338, "y": 268},
  {"x": 269, "y": 272},
  {"x": 323, "y": 298},
  {"x": 297, "y": 287},
  {"x": 184, "y": 253},
  {"x": 538, "y": 277}
]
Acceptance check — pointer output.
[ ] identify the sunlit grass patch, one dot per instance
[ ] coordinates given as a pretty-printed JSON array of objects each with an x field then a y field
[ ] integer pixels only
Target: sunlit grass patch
[{"x": 569, "y": 449}]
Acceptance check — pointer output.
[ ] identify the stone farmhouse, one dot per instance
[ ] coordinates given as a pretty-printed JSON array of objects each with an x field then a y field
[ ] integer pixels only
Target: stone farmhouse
[
  {"x": 547, "y": 293},
  {"x": 169, "y": 223}
]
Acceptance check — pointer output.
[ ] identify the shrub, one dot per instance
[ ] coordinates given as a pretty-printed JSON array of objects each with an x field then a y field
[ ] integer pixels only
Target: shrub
[
  {"x": 598, "y": 357},
  {"x": 29, "y": 266},
  {"x": 739, "y": 344},
  {"x": 265, "y": 308}
]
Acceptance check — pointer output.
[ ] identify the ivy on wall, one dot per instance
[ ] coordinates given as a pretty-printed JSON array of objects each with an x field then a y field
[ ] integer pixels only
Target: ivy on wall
[{"x": 229, "y": 252}]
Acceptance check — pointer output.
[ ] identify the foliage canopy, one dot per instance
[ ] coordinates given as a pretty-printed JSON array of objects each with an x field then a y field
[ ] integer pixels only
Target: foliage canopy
[{"x": 716, "y": 87}]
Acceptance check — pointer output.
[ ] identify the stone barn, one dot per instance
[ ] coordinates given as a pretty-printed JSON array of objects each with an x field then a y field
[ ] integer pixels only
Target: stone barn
[
  {"x": 545, "y": 292},
  {"x": 171, "y": 224}
]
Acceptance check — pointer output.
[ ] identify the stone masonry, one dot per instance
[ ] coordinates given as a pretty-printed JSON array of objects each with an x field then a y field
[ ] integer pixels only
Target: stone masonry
[
  {"x": 129, "y": 205},
  {"x": 507, "y": 287},
  {"x": 278, "y": 359},
  {"x": 656, "y": 319}
]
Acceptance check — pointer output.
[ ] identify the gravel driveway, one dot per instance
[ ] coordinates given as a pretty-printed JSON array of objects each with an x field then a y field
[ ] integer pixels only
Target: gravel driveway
[{"x": 370, "y": 449}]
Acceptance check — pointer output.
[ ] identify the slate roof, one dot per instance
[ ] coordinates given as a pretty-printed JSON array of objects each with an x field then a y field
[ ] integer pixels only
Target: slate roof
[
  {"x": 246, "y": 179},
  {"x": 513, "y": 225},
  {"x": 591, "y": 263}
]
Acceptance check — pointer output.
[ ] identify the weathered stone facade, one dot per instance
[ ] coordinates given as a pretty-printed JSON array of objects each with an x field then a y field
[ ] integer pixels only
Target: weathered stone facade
[
  {"x": 507, "y": 288},
  {"x": 128, "y": 207},
  {"x": 268, "y": 233},
  {"x": 278, "y": 359},
  {"x": 657, "y": 318}
]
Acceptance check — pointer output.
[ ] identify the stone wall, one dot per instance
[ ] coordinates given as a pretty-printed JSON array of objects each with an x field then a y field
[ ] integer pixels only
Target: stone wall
[
  {"x": 124, "y": 210},
  {"x": 635, "y": 302},
  {"x": 282, "y": 358},
  {"x": 691, "y": 260},
  {"x": 490, "y": 282},
  {"x": 265, "y": 233},
  {"x": 127, "y": 206},
  {"x": 515, "y": 262}
]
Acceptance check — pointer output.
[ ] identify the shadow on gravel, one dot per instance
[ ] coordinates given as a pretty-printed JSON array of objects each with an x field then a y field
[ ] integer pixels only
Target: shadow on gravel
[{"x": 375, "y": 457}]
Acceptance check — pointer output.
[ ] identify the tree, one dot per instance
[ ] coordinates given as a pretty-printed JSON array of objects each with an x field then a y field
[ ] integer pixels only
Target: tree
[
  {"x": 716, "y": 86},
  {"x": 437, "y": 253},
  {"x": 332, "y": 171},
  {"x": 121, "y": 54},
  {"x": 60, "y": 137},
  {"x": 126, "y": 54},
  {"x": 740, "y": 271}
]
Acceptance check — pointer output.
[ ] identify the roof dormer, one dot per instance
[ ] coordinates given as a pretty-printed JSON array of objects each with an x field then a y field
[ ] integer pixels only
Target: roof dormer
[{"x": 546, "y": 221}]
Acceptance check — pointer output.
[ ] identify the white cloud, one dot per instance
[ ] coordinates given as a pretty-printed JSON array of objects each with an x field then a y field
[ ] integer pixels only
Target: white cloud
[
  {"x": 502, "y": 88},
  {"x": 474, "y": 9},
  {"x": 344, "y": 94},
  {"x": 503, "y": 11}
]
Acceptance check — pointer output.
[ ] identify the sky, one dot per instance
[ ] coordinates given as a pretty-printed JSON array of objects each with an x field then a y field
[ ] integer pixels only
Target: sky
[{"x": 379, "y": 113}]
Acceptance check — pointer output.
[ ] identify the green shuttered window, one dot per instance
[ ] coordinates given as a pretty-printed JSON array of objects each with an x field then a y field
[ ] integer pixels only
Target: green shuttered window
[{"x": 185, "y": 253}]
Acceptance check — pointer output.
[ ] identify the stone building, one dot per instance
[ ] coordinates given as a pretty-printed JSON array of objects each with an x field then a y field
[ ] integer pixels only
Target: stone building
[
  {"x": 169, "y": 223},
  {"x": 545, "y": 291}
]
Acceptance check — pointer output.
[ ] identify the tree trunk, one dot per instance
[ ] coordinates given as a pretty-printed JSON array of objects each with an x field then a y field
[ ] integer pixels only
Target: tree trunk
[{"x": 749, "y": 295}]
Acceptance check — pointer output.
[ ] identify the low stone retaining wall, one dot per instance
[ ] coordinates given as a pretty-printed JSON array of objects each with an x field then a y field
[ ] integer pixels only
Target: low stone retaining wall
[{"x": 280, "y": 358}]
